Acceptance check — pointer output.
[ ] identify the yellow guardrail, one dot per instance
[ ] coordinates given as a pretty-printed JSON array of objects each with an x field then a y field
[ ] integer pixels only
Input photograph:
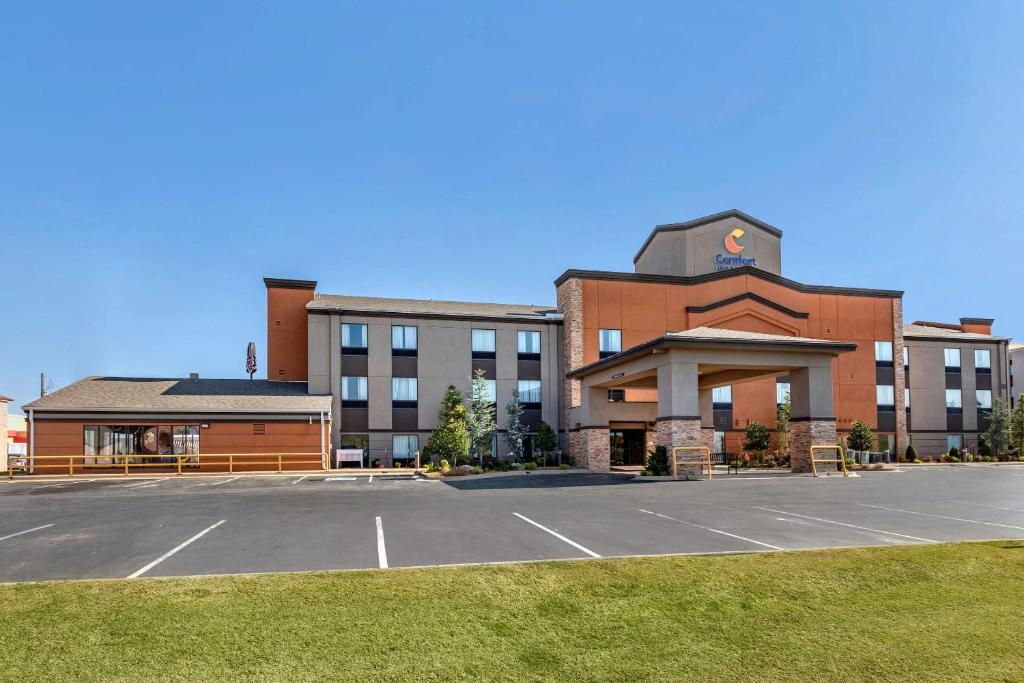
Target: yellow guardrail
[
  {"x": 704, "y": 461},
  {"x": 276, "y": 461},
  {"x": 841, "y": 460}
]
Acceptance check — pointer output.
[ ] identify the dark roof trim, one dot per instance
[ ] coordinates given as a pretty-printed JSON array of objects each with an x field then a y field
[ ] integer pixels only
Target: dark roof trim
[
  {"x": 723, "y": 274},
  {"x": 697, "y": 222},
  {"x": 980, "y": 339},
  {"x": 641, "y": 349},
  {"x": 753, "y": 297},
  {"x": 977, "y": 321},
  {"x": 539, "y": 320},
  {"x": 278, "y": 283}
]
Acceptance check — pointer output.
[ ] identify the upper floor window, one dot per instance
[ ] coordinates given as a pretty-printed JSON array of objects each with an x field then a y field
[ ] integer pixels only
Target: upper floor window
[
  {"x": 616, "y": 395},
  {"x": 721, "y": 397},
  {"x": 403, "y": 389},
  {"x": 984, "y": 399},
  {"x": 353, "y": 338},
  {"x": 906, "y": 357},
  {"x": 883, "y": 353},
  {"x": 952, "y": 359},
  {"x": 403, "y": 340},
  {"x": 983, "y": 360},
  {"x": 886, "y": 396},
  {"x": 353, "y": 391},
  {"x": 483, "y": 344},
  {"x": 529, "y": 391},
  {"x": 781, "y": 392},
  {"x": 491, "y": 390},
  {"x": 906, "y": 397},
  {"x": 529, "y": 345},
  {"x": 609, "y": 342},
  {"x": 954, "y": 400}
]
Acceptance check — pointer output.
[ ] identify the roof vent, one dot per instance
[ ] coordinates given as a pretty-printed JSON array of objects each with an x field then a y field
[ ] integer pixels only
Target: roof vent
[{"x": 193, "y": 375}]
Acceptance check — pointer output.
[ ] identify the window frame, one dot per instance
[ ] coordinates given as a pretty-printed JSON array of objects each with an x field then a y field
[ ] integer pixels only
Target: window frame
[
  {"x": 483, "y": 354},
  {"x": 365, "y": 392},
  {"x": 718, "y": 393},
  {"x": 530, "y": 405},
  {"x": 886, "y": 347},
  {"x": 396, "y": 382},
  {"x": 405, "y": 350},
  {"x": 885, "y": 398},
  {"x": 977, "y": 401},
  {"x": 528, "y": 355},
  {"x": 947, "y": 354},
  {"x": 355, "y": 350},
  {"x": 983, "y": 369},
  {"x": 955, "y": 409},
  {"x": 413, "y": 440},
  {"x": 609, "y": 334}
]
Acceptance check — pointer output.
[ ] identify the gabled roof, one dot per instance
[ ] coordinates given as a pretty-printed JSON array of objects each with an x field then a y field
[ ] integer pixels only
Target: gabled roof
[
  {"x": 697, "y": 222},
  {"x": 155, "y": 394},
  {"x": 335, "y": 303}
]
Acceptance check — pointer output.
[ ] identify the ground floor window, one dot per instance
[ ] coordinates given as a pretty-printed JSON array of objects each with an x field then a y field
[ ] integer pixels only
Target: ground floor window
[
  {"x": 354, "y": 441},
  {"x": 158, "y": 442},
  {"x": 628, "y": 447},
  {"x": 404, "y": 447},
  {"x": 954, "y": 441},
  {"x": 887, "y": 443}
]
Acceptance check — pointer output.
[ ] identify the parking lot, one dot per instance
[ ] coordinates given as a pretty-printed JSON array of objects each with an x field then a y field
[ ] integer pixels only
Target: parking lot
[{"x": 118, "y": 528}]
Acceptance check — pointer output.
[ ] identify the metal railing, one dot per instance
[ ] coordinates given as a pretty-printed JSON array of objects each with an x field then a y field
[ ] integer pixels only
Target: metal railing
[
  {"x": 67, "y": 464},
  {"x": 839, "y": 461},
  {"x": 704, "y": 461}
]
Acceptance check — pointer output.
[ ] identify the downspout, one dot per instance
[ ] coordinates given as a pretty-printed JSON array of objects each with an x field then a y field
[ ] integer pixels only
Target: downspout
[
  {"x": 323, "y": 452},
  {"x": 31, "y": 441}
]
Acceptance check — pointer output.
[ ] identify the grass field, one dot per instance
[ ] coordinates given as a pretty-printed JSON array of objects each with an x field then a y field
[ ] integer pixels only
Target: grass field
[{"x": 943, "y": 612}]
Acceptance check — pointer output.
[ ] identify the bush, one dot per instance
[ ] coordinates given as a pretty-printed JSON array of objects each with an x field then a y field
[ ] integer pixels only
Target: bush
[
  {"x": 444, "y": 465},
  {"x": 912, "y": 454},
  {"x": 529, "y": 465},
  {"x": 983, "y": 448},
  {"x": 657, "y": 462},
  {"x": 954, "y": 452},
  {"x": 564, "y": 466},
  {"x": 860, "y": 438}
]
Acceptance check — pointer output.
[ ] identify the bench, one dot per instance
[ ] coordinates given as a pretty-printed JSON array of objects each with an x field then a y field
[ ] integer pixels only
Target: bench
[{"x": 348, "y": 455}]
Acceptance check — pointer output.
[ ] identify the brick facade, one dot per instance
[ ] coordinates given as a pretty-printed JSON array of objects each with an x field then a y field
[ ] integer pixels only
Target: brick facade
[
  {"x": 900, "y": 378},
  {"x": 673, "y": 433},
  {"x": 595, "y": 449},
  {"x": 802, "y": 435},
  {"x": 570, "y": 305}
]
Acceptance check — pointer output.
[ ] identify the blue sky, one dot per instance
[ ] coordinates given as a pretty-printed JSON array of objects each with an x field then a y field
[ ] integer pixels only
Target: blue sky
[{"x": 159, "y": 160}]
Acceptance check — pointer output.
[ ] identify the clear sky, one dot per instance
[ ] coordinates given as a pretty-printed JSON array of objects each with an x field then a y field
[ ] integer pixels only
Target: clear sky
[{"x": 158, "y": 161}]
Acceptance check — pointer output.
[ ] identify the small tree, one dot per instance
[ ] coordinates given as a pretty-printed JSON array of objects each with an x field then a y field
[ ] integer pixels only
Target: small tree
[
  {"x": 1017, "y": 426},
  {"x": 757, "y": 439},
  {"x": 450, "y": 439},
  {"x": 911, "y": 455},
  {"x": 480, "y": 419},
  {"x": 782, "y": 415},
  {"x": 998, "y": 433},
  {"x": 860, "y": 438},
  {"x": 514, "y": 429},
  {"x": 984, "y": 450},
  {"x": 546, "y": 440},
  {"x": 657, "y": 462}
]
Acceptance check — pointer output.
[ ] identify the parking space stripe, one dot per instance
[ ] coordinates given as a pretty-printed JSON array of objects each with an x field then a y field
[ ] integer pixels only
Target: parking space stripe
[
  {"x": 992, "y": 507},
  {"x": 66, "y": 483},
  {"x": 154, "y": 482},
  {"x": 299, "y": 479},
  {"x": 557, "y": 535},
  {"x": 26, "y": 531},
  {"x": 707, "y": 528},
  {"x": 224, "y": 481},
  {"x": 852, "y": 526},
  {"x": 172, "y": 551},
  {"x": 955, "y": 519},
  {"x": 382, "y": 551}
]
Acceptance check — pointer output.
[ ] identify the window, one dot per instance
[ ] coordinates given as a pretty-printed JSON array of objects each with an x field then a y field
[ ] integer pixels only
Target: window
[
  {"x": 906, "y": 357},
  {"x": 885, "y": 397},
  {"x": 403, "y": 390},
  {"x": 781, "y": 392},
  {"x": 353, "y": 338},
  {"x": 403, "y": 340},
  {"x": 529, "y": 392},
  {"x": 616, "y": 395},
  {"x": 101, "y": 442},
  {"x": 491, "y": 390},
  {"x": 952, "y": 359},
  {"x": 529, "y": 345},
  {"x": 984, "y": 399},
  {"x": 983, "y": 360},
  {"x": 609, "y": 342},
  {"x": 483, "y": 344},
  {"x": 404, "y": 446},
  {"x": 906, "y": 397},
  {"x": 954, "y": 400},
  {"x": 883, "y": 353},
  {"x": 722, "y": 398},
  {"x": 954, "y": 441},
  {"x": 353, "y": 392}
]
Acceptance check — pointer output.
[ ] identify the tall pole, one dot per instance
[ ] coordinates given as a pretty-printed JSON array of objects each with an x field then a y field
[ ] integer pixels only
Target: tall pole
[{"x": 42, "y": 384}]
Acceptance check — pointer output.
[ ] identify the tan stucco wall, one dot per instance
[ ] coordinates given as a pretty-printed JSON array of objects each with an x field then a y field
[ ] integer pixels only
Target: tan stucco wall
[{"x": 692, "y": 251}]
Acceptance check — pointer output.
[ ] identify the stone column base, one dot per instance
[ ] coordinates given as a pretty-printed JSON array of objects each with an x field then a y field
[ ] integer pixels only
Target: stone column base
[
  {"x": 806, "y": 433},
  {"x": 575, "y": 452},
  {"x": 672, "y": 433},
  {"x": 595, "y": 449}
]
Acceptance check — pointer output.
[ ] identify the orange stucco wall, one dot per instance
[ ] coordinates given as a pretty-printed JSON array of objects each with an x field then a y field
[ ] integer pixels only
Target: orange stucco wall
[
  {"x": 287, "y": 333},
  {"x": 67, "y": 437},
  {"x": 644, "y": 311}
]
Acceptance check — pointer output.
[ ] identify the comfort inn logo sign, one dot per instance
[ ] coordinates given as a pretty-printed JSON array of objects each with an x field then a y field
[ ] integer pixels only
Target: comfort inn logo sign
[{"x": 735, "y": 247}]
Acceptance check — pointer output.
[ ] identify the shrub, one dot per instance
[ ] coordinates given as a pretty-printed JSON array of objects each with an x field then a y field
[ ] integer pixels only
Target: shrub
[
  {"x": 564, "y": 466},
  {"x": 757, "y": 438},
  {"x": 912, "y": 454},
  {"x": 983, "y": 448},
  {"x": 954, "y": 452},
  {"x": 657, "y": 462},
  {"x": 860, "y": 438},
  {"x": 444, "y": 465},
  {"x": 529, "y": 465}
]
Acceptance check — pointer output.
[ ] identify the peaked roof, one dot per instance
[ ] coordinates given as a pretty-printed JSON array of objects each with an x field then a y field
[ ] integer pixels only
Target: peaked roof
[
  {"x": 156, "y": 394},
  {"x": 697, "y": 222}
]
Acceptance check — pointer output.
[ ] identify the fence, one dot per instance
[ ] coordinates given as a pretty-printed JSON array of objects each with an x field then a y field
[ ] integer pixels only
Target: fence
[{"x": 122, "y": 464}]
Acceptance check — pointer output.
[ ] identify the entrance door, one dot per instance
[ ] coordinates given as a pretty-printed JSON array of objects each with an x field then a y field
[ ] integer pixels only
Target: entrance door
[{"x": 627, "y": 446}]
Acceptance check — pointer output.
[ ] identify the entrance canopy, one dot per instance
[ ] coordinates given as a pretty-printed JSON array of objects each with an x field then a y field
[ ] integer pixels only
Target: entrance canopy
[{"x": 685, "y": 366}]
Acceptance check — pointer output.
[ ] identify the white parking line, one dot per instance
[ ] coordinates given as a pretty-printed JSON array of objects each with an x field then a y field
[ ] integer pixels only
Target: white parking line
[
  {"x": 66, "y": 483},
  {"x": 382, "y": 551},
  {"x": 299, "y": 479},
  {"x": 852, "y": 526},
  {"x": 992, "y": 507},
  {"x": 707, "y": 528},
  {"x": 557, "y": 535},
  {"x": 224, "y": 481},
  {"x": 339, "y": 478},
  {"x": 26, "y": 531},
  {"x": 163, "y": 557},
  {"x": 955, "y": 519},
  {"x": 154, "y": 482},
  {"x": 371, "y": 480}
]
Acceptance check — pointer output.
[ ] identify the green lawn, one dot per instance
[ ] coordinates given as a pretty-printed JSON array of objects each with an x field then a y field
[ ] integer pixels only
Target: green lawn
[{"x": 945, "y": 612}]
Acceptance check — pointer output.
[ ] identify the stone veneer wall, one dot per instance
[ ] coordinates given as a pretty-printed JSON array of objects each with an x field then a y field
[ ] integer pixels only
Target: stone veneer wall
[
  {"x": 596, "y": 448},
  {"x": 673, "y": 433},
  {"x": 806, "y": 433},
  {"x": 569, "y": 296},
  {"x": 900, "y": 378}
]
